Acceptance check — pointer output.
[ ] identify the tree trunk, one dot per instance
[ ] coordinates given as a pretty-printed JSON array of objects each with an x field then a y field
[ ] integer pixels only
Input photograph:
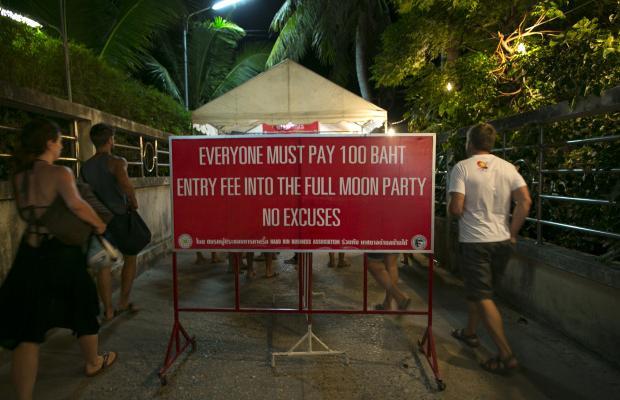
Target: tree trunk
[{"x": 361, "y": 58}]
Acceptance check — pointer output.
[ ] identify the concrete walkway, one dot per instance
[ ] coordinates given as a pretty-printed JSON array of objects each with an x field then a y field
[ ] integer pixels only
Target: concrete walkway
[{"x": 233, "y": 355}]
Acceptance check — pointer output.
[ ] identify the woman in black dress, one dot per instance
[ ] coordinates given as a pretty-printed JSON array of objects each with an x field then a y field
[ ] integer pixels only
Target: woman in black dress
[{"x": 48, "y": 285}]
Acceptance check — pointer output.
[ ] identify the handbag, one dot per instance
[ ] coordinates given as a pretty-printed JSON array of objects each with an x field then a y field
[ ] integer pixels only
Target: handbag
[
  {"x": 130, "y": 232},
  {"x": 68, "y": 227},
  {"x": 101, "y": 254}
]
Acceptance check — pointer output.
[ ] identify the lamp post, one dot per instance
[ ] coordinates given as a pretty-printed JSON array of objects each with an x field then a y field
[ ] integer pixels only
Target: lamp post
[{"x": 216, "y": 6}]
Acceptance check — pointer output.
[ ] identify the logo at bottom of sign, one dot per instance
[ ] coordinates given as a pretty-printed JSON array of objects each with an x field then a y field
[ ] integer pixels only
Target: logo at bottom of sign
[
  {"x": 419, "y": 242},
  {"x": 185, "y": 241}
]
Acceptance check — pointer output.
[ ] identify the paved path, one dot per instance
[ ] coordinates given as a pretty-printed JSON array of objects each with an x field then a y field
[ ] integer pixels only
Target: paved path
[{"x": 232, "y": 359}]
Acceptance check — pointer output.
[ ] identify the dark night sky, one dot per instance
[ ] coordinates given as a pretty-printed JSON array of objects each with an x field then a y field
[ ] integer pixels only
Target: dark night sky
[{"x": 253, "y": 15}]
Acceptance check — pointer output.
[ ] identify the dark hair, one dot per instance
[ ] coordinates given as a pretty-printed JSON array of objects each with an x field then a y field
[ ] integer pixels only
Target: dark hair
[
  {"x": 101, "y": 133},
  {"x": 33, "y": 141},
  {"x": 482, "y": 136}
]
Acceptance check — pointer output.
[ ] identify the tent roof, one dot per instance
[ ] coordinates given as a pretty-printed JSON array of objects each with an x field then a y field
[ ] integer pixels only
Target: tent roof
[{"x": 287, "y": 92}]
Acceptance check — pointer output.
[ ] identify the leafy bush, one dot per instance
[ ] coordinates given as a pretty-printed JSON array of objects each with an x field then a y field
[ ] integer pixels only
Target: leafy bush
[
  {"x": 31, "y": 59},
  {"x": 576, "y": 54}
]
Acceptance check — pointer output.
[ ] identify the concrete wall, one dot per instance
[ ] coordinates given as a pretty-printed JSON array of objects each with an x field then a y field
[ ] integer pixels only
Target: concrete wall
[
  {"x": 154, "y": 202},
  {"x": 570, "y": 291},
  {"x": 152, "y": 192}
]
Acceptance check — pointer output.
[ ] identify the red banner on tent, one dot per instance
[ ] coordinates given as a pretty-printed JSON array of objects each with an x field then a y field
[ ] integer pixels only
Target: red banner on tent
[
  {"x": 372, "y": 193},
  {"x": 312, "y": 127}
]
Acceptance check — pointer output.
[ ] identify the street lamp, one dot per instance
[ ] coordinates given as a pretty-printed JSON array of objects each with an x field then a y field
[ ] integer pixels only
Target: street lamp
[{"x": 217, "y": 6}]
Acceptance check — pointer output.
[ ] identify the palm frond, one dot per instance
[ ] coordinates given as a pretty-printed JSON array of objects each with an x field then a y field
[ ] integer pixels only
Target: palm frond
[
  {"x": 250, "y": 62},
  {"x": 162, "y": 78},
  {"x": 211, "y": 56},
  {"x": 131, "y": 33},
  {"x": 292, "y": 42},
  {"x": 282, "y": 15}
]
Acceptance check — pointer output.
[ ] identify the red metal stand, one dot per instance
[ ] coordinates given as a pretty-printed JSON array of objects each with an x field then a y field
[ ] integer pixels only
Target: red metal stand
[
  {"x": 426, "y": 343},
  {"x": 177, "y": 330}
]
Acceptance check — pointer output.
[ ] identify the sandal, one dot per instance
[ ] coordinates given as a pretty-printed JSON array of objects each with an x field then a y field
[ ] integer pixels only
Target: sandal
[
  {"x": 272, "y": 275},
  {"x": 470, "y": 340},
  {"x": 105, "y": 364},
  {"x": 130, "y": 309},
  {"x": 501, "y": 366}
]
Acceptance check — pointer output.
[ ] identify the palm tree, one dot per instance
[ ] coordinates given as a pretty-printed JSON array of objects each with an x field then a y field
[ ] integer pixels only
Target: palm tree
[
  {"x": 332, "y": 29},
  {"x": 118, "y": 31},
  {"x": 216, "y": 64}
]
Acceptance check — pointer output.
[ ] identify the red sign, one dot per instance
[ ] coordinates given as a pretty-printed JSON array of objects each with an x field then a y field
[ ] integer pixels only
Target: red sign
[
  {"x": 312, "y": 127},
  {"x": 318, "y": 192}
]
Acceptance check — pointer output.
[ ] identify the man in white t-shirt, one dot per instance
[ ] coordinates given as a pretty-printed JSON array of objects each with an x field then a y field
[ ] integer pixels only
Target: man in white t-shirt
[{"x": 481, "y": 189}]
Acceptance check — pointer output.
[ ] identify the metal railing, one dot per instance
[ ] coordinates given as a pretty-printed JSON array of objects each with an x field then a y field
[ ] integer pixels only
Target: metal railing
[
  {"x": 548, "y": 183},
  {"x": 70, "y": 153},
  {"x": 541, "y": 173},
  {"x": 147, "y": 156},
  {"x": 143, "y": 154}
]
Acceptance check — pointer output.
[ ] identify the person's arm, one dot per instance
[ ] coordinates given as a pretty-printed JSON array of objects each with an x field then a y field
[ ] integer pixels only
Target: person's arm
[
  {"x": 456, "y": 204},
  {"x": 70, "y": 194},
  {"x": 456, "y": 189},
  {"x": 523, "y": 201},
  {"x": 119, "y": 170}
]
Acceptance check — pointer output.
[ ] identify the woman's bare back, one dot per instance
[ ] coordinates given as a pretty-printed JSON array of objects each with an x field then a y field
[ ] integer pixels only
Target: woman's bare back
[{"x": 42, "y": 187}]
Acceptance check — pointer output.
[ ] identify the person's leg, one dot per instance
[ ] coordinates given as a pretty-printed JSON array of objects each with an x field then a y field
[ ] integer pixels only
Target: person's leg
[
  {"x": 332, "y": 260},
  {"x": 473, "y": 318},
  {"x": 24, "y": 369},
  {"x": 249, "y": 257},
  {"x": 89, "y": 344},
  {"x": 200, "y": 259},
  {"x": 215, "y": 258},
  {"x": 104, "y": 287},
  {"x": 391, "y": 262},
  {"x": 493, "y": 322},
  {"x": 342, "y": 263},
  {"x": 269, "y": 265},
  {"x": 127, "y": 277},
  {"x": 379, "y": 272}
]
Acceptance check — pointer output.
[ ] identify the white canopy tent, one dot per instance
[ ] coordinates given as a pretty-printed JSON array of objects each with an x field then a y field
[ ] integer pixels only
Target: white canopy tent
[{"x": 288, "y": 93}]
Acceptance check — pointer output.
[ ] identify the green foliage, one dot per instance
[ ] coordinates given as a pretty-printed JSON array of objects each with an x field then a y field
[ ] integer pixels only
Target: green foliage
[
  {"x": 440, "y": 41},
  {"x": 32, "y": 59},
  {"x": 576, "y": 55},
  {"x": 215, "y": 62},
  {"x": 117, "y": 31},
  {"x": 334, "y": 30}
]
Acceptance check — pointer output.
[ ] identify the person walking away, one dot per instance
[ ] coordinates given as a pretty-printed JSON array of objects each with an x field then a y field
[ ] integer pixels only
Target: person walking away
[
  {"x": 48, "y": 284},
  {"x": 107, "y": 175},
  {"x": 481, "y": 190},
  {"x": 384, "y": 268}
]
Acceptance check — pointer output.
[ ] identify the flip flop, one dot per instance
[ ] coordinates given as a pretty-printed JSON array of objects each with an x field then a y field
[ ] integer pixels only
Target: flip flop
[
  {"x": 130, "y": 309},
  {"x": 106, "y": 364},
  {"x": 470, "y": 340},
  {"x": 501, "y": 366}
]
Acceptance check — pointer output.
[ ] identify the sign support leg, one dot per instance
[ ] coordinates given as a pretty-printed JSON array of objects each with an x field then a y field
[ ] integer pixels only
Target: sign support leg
[
  {"x": 177, "y": 330},
  {"x": 305, "y": 302},
  {"x": 427, "y": 344}
]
